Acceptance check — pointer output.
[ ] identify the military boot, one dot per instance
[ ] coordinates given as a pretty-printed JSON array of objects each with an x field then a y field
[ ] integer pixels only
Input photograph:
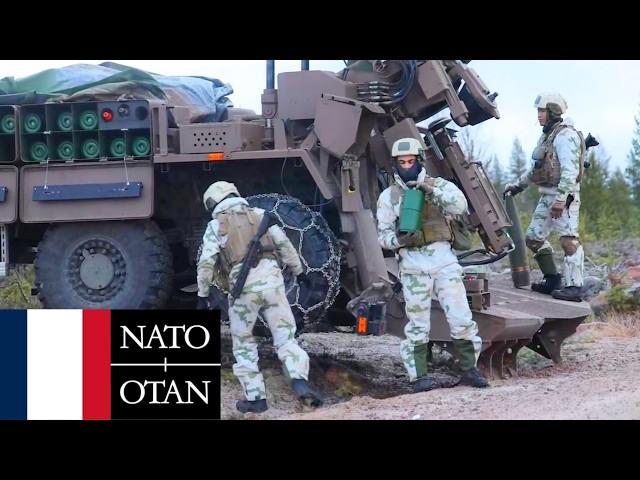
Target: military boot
[
  {"x": 548, "y": 285},
  {"x": 552, "y": 279},
  {"x": 305, "y": 393},
  {"x": 466, "y": 353},
  {"x": 423, "y": 384},
  {"x": 255, "y": 406},
  {"x": 571, "y": 294},
  {"x": 473, "y": 378}
]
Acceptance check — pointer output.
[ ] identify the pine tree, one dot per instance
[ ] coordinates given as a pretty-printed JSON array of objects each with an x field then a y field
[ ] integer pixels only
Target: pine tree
[
  {"x": 496, "y": 174},
  {"x": 620, "y": 206},
  {"x": 518, "y": 165},
  {"x": 633, "y": 170},
  {"x": 518, "y": 162},
  {"x": 595, "y": 198}
]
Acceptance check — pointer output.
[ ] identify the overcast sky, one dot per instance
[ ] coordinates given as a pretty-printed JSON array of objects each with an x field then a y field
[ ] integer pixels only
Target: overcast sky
[{"x": 603, "y": 95}]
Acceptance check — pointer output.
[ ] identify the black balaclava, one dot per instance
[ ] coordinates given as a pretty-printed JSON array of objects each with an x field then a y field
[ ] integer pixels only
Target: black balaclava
[
  {"x": 411, "y": 174},
  {"x": 553, "y": 113}
]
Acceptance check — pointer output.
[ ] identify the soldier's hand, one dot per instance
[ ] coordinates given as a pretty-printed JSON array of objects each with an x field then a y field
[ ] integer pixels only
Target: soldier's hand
[
  {"x": 512, "y": 189},
  {"x": 410, "y": 239},
  {"x": 203, "y": 304},
  {"x": 290, "y": 276},
  {"x": 426, "y": 186},
  {"x": 556, "y": 209}
]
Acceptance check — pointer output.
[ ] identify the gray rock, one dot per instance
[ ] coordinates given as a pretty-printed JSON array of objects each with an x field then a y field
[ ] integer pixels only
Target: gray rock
[{"x": 592, "y": 286}]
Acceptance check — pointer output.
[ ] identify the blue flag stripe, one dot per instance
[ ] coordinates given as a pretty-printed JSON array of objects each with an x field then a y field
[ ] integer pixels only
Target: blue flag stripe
[{"x": 13, "y": 364}]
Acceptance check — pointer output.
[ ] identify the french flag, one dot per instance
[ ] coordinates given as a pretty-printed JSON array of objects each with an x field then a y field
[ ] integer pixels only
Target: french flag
[{"x": 55, "y": 365}]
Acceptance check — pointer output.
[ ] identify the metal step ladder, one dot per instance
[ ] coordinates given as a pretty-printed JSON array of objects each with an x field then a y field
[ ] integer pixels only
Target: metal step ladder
[{"x": 4, "y": 251}]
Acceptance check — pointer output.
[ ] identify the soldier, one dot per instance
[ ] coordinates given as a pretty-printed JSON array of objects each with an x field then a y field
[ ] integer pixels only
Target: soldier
[
  {"x": 557, "y": 169},
  {"x": 428, "y": 266},
  {"x": 226, "y": 241}
]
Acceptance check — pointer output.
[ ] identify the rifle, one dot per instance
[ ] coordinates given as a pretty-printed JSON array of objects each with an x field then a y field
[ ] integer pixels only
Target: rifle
[
  {"x": 254, "y": 253},
  {"x": 218, "y": 301},
  {"x": 589, "y": 142}
]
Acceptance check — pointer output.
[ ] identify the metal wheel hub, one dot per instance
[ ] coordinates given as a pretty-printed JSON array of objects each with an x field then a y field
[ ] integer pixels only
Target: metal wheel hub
[{"x": 97, "y": 270}]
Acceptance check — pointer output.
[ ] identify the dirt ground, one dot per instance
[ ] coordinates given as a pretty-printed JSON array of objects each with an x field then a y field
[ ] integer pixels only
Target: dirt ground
[{"x": 363, "y": 378}]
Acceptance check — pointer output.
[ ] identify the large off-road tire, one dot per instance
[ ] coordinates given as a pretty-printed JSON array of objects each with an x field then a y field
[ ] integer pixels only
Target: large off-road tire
[
  {"x": 317, "y": 288},
  {"x": 110, "y": 265}
]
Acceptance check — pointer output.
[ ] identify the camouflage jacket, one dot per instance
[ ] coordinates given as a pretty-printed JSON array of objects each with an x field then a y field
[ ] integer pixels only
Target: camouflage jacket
[
  {"x": 428, "y": 258},
  {"x": 265, "y": 275},
  {"x": 568, "y": 152}
]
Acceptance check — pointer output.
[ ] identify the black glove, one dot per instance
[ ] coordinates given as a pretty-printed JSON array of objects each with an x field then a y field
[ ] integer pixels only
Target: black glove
[
  {"x": 426, "y": 186},
  {"x": 512, "y": 189},
  {"x": 203, "y": 304},
  {"x": 410, "y": 239}
]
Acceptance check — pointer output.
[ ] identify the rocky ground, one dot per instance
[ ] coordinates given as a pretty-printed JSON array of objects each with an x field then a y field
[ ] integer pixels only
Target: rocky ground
[{"x": 362, "y": 378}]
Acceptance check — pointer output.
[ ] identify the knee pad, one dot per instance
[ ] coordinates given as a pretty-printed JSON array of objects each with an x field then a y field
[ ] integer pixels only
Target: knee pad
[
  {"x": 534, "y": 245},
  {"x": 569, "y": 245}
]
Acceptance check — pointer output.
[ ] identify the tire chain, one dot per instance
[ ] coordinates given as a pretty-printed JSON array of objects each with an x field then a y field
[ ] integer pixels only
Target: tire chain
[{"x": 330, "y": 269}]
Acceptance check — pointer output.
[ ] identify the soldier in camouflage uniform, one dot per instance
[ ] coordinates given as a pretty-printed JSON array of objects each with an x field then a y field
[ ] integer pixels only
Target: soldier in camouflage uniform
[
  {"x": 557, "y": 169},
  {"x": 428, "y": 267},
  {"x": 225, "y": 244}
]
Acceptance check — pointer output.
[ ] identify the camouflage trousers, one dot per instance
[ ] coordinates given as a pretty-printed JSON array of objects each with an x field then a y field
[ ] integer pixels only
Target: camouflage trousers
[
  {"x": 566, "y": 226},
  {"x": 274, "y": 307},
  {"x": 446, "y": 286}
]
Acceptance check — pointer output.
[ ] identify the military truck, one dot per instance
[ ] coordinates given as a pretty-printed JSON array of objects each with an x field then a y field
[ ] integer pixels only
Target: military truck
[{"x": 104, "y": 195}]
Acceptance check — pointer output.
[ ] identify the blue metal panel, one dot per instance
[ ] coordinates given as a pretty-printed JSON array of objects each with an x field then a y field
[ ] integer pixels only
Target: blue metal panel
[{"x": 92, "y": 191}]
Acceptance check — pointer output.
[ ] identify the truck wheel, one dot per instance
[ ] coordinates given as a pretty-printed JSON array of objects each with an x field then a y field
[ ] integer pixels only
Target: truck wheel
[
  {"x": 318, "y": 286},
  {"x": 111, "y": 265}
]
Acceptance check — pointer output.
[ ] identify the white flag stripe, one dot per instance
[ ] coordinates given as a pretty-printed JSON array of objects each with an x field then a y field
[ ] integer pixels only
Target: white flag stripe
[{"x": 54, "y": 364}]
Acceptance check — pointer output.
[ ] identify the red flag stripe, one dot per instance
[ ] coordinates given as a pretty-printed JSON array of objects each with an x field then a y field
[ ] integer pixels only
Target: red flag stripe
[{"x": 96, "y": 363}]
